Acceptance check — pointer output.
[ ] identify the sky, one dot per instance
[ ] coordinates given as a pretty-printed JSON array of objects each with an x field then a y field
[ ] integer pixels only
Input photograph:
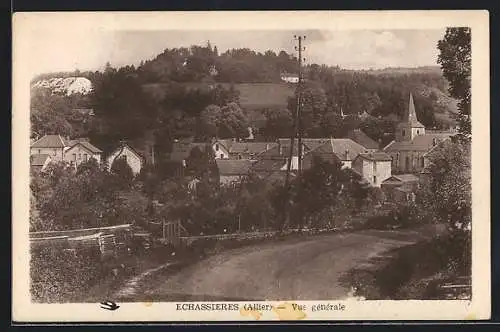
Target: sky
[{"x": 56, "y": 50}]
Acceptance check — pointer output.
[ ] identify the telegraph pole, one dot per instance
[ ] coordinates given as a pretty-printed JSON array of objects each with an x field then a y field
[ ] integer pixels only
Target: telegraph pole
[
  {"x": 296, "y": 133},
  {"x": 299, "y": 48}
]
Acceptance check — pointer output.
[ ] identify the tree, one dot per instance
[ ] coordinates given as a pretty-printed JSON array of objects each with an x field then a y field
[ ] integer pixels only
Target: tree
[
  {"x": 447, "y": 196},
  {"x": 87, "y": 198},
  {"x": 279, "y": 123},
  {"x": 455, "y": 60},
  {"x": 122, "y": 170},
  {"x": 226, "y": 122}
]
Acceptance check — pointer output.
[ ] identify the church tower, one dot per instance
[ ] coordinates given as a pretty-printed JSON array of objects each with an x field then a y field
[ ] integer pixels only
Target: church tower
[{"x": 410, "y": 126}]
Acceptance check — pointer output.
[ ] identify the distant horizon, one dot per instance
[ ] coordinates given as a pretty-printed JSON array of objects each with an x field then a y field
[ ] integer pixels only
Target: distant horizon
[{"x": 350, "y": 49}]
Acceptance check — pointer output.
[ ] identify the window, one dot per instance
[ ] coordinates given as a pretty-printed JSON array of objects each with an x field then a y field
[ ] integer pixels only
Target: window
[
  {"x": 79, "y": 156},
  {"x": 418, "y": 131},
  {"x": 221, "y": 156},
  {"x": 407, "y": 163},
  {"x": 74, "y": 156},
  {"x": 374, "y": 180},
  {"x": 39, "y": 151},
  {"x": 55, "y": 152},
  {"x": 403, "y": 132},
  {"x": 422, "y": 162},
  {"x": 216, "y": 147},
  {"x": 374, "y": 167},
  {"x": 86, "y": 157}
]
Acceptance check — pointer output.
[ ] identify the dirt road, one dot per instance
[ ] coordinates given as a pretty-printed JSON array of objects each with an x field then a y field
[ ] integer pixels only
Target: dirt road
[{"x": 300, "y": 269}]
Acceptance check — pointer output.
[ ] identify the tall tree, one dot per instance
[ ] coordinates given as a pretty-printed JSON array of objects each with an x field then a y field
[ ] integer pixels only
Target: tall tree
[{"x": 455, "y": 60}]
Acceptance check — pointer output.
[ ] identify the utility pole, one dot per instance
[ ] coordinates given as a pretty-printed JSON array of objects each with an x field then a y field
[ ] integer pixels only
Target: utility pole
[
  {"x": 299, "y": 48},
  {"x": 296, "y": 132}
]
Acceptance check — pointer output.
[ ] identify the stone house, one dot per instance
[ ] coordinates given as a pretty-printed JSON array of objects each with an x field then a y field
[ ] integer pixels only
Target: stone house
[
  {"x": 131, "y": 156},
  {"x": 375, "y": 167}
]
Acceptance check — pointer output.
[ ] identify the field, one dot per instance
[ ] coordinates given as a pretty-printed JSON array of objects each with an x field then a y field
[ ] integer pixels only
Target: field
[{"x": 252, "y": 95}]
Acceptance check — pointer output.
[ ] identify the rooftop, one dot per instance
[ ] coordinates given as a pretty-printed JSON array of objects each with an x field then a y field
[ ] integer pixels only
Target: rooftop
[
  {"x": 359, "y": 136},
  {"x": 419, "y": 143},
  {"x": 233, "y": 167},
  {"x": 50, "y": 141},
  {"x": 375, "y": 156}
]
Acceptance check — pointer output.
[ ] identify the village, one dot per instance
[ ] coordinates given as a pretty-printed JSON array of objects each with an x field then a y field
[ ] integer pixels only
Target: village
[
  {"x": 397, "y": 168},
  {"x": 145, "y": 178}
]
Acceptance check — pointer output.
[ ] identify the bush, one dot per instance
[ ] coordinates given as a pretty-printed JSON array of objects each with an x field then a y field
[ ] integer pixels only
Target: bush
[{"x": 56, "y": 274}]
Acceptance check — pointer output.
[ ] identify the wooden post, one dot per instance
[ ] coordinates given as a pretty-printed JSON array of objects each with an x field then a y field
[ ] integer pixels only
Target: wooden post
[{"x": 163, "y": 230}]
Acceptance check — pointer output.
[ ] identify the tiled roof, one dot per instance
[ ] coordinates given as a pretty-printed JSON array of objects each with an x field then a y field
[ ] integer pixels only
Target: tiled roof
[
  {"x": 50, "y": 141},
  {"x": 128, "y": 146},
  {"x": 309, "y": 143},
  {"x": 346, "y": 149},
  {"x": 419, "y": 143},
  {"x": 375, "y": 156},
  {"x": 251, "y": 147},
  {"x": 39, "y": 159},
  {"x": 86, "y": 145},
  {"x": 268, "y": 165},
  {"x": 233, "y": 167},
  {"x": 363, "y": 139},
  {"x": 402, "y": 178}
]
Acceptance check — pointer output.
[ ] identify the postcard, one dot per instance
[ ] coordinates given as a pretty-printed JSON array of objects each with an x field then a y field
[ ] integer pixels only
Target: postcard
[{"x": 250, "y": 166}]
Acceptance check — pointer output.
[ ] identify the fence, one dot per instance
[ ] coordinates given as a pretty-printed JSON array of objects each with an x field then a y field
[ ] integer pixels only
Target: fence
[{"x": 106, "y": 239}]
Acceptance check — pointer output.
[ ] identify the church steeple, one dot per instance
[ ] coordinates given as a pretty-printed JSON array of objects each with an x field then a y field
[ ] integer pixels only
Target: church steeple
[
  {"x": 411, "y": 115},
  {"x": 410, "y": 126}
]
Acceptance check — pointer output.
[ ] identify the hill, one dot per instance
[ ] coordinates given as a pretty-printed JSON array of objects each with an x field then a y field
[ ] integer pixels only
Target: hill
[{"x": 252, "y": 95}]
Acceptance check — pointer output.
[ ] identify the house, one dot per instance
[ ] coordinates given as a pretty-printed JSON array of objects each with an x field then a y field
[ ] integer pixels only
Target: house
[
  {"x": 375, "y": 167},
  {"x": 412, "y": 143},
  {"x": 131, "y": 156},
  {"x": 273, "y": 163},
  {"x": 359, "y": 136},
  {"x": 79, "y": 151},
  {"x": 290, "y": 78},
  {"x": 39, "y": 162},
  {"x": 400, "y": 187},
  {"x": 52, "y": 145},
  {"x": 232, "y": 149},
  {"x": 233, "y": 171},
  {"x": 63, "y": 149}
]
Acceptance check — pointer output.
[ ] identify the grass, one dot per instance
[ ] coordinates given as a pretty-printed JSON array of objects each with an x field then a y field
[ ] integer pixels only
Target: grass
[{"x": 414, "y": 272}]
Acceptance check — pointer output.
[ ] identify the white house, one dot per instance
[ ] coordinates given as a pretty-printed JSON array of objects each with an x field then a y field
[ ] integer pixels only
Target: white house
[
  {"x": 132, "y": 157},
  {"x": 80, "y": 152},
  {"x": 375, "y": 167},
  {"x": 52, "y": 145},
  {"x": 290, "y": 78}
]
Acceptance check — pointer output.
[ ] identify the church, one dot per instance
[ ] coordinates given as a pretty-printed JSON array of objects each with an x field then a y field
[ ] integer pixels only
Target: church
[{"x": 412, "y": 143}]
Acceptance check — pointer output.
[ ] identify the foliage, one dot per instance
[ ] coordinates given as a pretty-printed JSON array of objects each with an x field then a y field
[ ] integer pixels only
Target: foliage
[
  {"x": 455, "y": 60},
  {"x": 448, "y": 192},
  {"x": 82, "y": 199},
  {"x": 324, "y": 187},
  {"x": 224, "y": 122},
  {"x": 122, "y": 170}
]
